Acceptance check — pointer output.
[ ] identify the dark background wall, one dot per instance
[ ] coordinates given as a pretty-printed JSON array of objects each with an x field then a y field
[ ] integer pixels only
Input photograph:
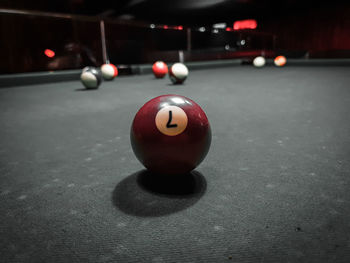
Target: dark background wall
[
  {"x": 323, "y": 29},
  {"x": 317, "y": 32}
]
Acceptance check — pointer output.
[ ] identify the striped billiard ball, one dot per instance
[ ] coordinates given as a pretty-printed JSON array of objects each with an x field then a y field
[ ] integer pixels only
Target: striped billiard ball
[
  {"x": 178, "y": 73},
  {"x": 91, "y": 77}
]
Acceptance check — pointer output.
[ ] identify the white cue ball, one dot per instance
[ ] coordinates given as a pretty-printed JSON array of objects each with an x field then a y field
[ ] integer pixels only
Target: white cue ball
[{"x": 259, "y": 62}]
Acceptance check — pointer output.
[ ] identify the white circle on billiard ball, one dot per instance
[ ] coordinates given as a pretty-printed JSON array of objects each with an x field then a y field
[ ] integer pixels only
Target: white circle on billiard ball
[
  {"x": 108, "y": 72},
  {"x": 160, "y": 64},
  {"x": 259, "y": 62},
  {"x": 171, "y": 120},
  {"x": 89, "y": 80}
]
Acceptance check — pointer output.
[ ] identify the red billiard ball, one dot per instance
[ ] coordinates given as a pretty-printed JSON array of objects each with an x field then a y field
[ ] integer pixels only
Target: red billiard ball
[
  {"x": 170, "y": 134},
  {"x": 280, "y": 61},
  {"x": 160, "y": 69}
]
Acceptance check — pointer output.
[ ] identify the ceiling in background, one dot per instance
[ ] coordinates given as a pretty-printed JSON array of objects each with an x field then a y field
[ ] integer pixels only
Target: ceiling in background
[{"x": 191, "y": 12}]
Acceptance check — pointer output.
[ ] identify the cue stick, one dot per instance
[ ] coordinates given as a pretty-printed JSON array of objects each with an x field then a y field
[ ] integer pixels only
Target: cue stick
[
  {"x": 181, "y": 56},
  {"x": 189, "y": 46},
  {"x": 103, "y": 42}
]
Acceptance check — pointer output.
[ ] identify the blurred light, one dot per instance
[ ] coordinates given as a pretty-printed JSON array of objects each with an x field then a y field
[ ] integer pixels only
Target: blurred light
[
  {"x": 165, "y": 27},
  {"x": 227, "y": 47},
  {"x": 242, "y": 42},
  {"x": 245, "y": 24},
  {"x": 49, "y": 53},
  {"x": 215, "y": 31},
  {"x": 202, "y": 29},
  {"x": 180, "y": 27},
  {"x": 164, "y": 104},
  {"x": 152, "y": 26},
  {"x": 220, "y": 25},
  {"x": 229, "y": 29}
]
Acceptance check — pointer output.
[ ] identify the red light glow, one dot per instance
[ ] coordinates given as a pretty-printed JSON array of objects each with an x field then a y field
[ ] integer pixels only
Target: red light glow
[
  {"x": 165, "y": 27},
  {"x": 229, "y": 29},
  {"x": 49, "y": 53},
  {"x": 180, "y": 28},
  {"x": 245, "y": 24}
]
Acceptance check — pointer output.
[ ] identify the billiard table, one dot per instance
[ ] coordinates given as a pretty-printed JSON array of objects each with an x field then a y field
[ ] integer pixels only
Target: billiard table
[{"x": 274, "y": 187}]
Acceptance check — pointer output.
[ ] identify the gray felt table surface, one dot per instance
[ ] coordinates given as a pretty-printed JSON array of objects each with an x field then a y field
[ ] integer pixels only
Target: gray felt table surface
[{"x": 275, "y": 186}]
